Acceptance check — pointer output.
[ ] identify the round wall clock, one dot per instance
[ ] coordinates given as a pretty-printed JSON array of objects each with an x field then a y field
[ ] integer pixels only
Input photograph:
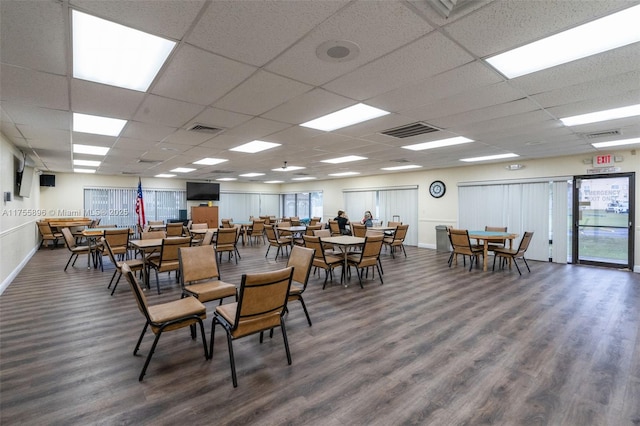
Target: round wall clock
[{"x": 437, "y": 189}]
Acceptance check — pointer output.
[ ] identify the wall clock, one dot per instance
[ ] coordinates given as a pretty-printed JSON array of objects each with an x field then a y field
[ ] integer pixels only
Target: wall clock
[{"x": 437, "y": 189}]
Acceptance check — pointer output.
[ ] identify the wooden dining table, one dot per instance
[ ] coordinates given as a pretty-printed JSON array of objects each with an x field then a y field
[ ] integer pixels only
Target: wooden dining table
[
  {"x": 344, "y": 242},
  {"x": 485, "y": 236}
]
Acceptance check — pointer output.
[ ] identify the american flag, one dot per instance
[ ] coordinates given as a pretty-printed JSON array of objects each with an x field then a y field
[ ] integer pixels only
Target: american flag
[{"x": 142, "y": 220}]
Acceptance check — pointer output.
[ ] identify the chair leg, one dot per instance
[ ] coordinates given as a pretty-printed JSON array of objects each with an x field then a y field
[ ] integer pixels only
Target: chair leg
[
  {"x": 380, "y": 275},
  {"x": 157, "y": 281},
  {"x": 526, "y": 264},
  {"x": 112, "y": 277},
  {"x": 267, "y": 253},
  {"x": 116, "y": 284},
  {"x": 517, "y": 267},
  {"x": 304, "y": 307},
  {"x": 286, "y": 341},
  {"x": 359, "y": 276},
  {"x": 232, "y": 360},
  {"x": 153, "y": 348},
  {"x": 69, "y": 261},
  {"x": 144, "y": 330}
]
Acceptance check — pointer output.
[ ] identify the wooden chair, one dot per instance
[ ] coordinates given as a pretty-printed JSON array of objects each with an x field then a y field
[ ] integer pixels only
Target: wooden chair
[
  {"x": 397, "y": 240},
  {"x": 321, "y": 259},
  {"x": 73, "y": 248},
  {"x": 165, "y": 317},
  {"x": 200, "y": 276},
  {"x": 334, "y": 228},
  {"x": 492, "y": 244},
  {"x": 461, "y": 244},
  {"x": 301, "y": 260},
  {"x": 47, "y": 234},
  {"x": 174, "y": 229},
  {"x": 134, "y": 264},
  {"x": 368, "y": 257},
  {"x": 281, "y": 242},
  {"x": 168, "y": 259},
  {"x": 256, "y": 231},
  {"x": 359, "y": 230},
  {"x": 260, "y": 307},
  {"x": 227, "y": 241},
  {"x": 119, "y": 240},
  {"x": 325, "y": 233},
  {"x": 513, "y": 254}
]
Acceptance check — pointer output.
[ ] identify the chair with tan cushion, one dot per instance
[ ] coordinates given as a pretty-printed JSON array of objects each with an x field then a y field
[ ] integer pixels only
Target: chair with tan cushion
[
  {"x": 256, "y": 231},
  {"x": 134, "y": 264},
  {"x": 301, "y": 259},
  {"x": 165, "y": 316},
  {"x": 281, "y": 242},
  {"x": 227, "y": 241},
  {"x": 174, "y": 229},
  {"x": 359, "y": 230},
  {"x": 322, "y": 259},
  {"x": 512, "y": 254},
  {"x": 461, "y": 244},
  {"x": 260, "y": 307},
  {"x": 47, "y": 234},
  {"x": 397, "y": 240},
  {"x": 73, "y": 248},
  {"x": 200, "y": 276},
  {"x": 119, "y": 240},
  {"x": 492, "y": 244},
  {"x": 168, "y": 259},
  {"x": 368, "y": 257}
]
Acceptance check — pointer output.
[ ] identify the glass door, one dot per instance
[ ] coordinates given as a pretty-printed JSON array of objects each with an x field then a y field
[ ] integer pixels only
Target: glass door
[{"x": 603, "y": 220}]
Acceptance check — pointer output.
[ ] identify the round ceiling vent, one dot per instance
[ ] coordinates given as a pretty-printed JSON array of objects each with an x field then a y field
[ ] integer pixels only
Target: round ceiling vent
[{"x": 337, "y": 51}]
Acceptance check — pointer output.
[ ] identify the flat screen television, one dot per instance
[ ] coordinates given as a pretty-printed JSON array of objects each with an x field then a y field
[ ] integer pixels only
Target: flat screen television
[
  {"x": 203, "y": 191},
  {"x": 47, "y": 180}
]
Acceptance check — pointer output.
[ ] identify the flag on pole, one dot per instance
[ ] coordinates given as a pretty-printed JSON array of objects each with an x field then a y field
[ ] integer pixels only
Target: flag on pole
[{"x": 142, "y": 220}]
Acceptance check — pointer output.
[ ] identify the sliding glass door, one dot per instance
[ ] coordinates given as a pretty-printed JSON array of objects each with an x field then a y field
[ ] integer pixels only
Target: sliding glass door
[{"x": 603, "y": 220}]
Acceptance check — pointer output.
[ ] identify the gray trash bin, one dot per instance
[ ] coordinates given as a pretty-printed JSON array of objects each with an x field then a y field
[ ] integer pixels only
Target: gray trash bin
[{"x": 442, "y": 239}]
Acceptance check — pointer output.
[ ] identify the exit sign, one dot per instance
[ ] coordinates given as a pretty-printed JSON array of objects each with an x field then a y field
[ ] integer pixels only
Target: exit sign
[{"x": 604, "y": 160}]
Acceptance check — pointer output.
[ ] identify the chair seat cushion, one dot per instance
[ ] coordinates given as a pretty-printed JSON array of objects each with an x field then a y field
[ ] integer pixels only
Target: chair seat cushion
[
  {"x": 505, "y": 251},
  {"x": 177, "y": 309},
  {"x": 295, "y": 290},
  {"x": 134, "y": 264},
  {"x": 211, "y": 290}
]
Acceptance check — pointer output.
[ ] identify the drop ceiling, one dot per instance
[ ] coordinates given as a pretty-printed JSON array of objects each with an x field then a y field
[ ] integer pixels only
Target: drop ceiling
[{"x": 250, "y": 69}]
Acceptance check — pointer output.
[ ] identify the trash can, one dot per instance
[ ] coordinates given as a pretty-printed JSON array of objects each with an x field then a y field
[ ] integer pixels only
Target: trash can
[{"x": 442, "y": 239}]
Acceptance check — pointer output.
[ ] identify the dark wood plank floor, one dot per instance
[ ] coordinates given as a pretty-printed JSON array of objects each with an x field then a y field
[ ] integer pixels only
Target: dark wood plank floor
[{"x": 432, "y": 346}]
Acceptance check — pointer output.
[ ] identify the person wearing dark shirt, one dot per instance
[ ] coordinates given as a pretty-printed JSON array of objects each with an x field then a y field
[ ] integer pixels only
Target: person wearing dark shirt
[{"x": 343, "y": 221}]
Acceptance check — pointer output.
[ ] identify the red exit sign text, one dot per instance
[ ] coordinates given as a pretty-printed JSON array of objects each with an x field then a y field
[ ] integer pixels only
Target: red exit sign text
[{"x": 603, "y": 160}]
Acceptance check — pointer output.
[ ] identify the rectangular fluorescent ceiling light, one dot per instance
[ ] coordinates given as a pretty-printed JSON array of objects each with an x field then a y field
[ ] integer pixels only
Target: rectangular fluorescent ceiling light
[
  {"x": 182, "y": 170},
  {"x": 407, "y": 167},
  {"x": 616, "y": 143},
  {"x": 255, "y": 146},
  {"x": 345, "y": 117},
  {"x": 304, "y": 178},
  {"x": 252, "y": 174},
  {"x": 287, "y": 169},
  {"x": 90, "y": 163},
  {"x": 97, "y": 125},
  {"x": 226, "y": 179},
  {"x": 274, "y": 181},
  {"x": 595, "y": 117},
  {"x": 110, "y": 53},
  {"x": 438, "y": 144},
  {"x": 346, "y": 159},
  {"x": 83, "y": 171},
  {"x": 344, "y": 174},
  {"x": 165, "y": 175},
  {"x": 610, "y": 32},
  {"x": 489, "y": 157},
  {"x": 210, "y": 161},
  {"x": 89, "y": 149}
]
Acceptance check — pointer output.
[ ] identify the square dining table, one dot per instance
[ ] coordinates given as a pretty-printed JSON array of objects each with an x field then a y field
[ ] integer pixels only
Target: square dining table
[
  {"x": 485, "y": 236},
  {"x": 344, "y": 242}
]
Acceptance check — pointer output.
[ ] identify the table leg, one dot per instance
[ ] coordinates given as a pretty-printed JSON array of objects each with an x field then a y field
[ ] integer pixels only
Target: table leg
[{"x": 486, "y": 253}]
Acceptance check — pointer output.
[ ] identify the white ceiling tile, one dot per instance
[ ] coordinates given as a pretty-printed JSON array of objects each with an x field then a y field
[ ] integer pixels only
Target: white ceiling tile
[
  {"x": 99, "y": 99},
  {"x": 168, "y": 112},
  {"x": 33, "y": 88}
]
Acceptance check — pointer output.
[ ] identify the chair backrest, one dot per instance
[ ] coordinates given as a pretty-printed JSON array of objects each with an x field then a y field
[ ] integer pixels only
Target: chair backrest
[
  {"x": 524, "y": 243},
  {"x": 311, "y": 228},
  {"x": 109, "y": 250},
  {"x": 283, "y": 224},
  {"x": 225, "y": 223},
  {"x": 226, "y": 237},
  {"x": 199, "y": 226},
  {"x": 208, "y": 238},
  {"x": 150, "y": 235},
  {"x": 393, "y": 224},
  {"x": 155, "y": 222},
  {"x": 359, "y": 230},
  {"x": 262, "y": 301},
  {"x": 141, "y": 299},
  {"x": 271, "y": 233},
  {"x": 174, "y": 229},
  {"x": 322, "y": 233},
  {"x": 401, "y": 233},
  {"x": 106, "y": 226},
  {"x": 314, "y": 221},
  {"x": 198, "y": 263},
  {"x": 334, "y": 227},
  {"x": 295, "y": 220},
  {"x": 117, "y": 237},
  {"x": 314, "y": 243},
  {"x": 68, "y": 238},
  {"x": 372, "y": 247},
  {"x": 170, "y": 247},
  {"x": 460, "y": 241},
  {"x": 257, "y": 227},
  {"x": 495, "y": 228},
  {"x": 45, "y": 229},
  {"x": 301, "y": 259}
]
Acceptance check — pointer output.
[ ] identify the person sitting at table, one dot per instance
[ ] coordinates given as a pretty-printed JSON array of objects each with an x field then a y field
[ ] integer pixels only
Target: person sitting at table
[
  {"x": 343, "y": 221},
  {"x": 367, "y": 220}
]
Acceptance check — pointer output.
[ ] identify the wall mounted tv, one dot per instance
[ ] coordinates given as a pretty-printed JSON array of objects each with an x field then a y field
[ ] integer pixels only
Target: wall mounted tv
[
  {"x": 203, "y": 191},
  {"x": 47, "y": 180}
]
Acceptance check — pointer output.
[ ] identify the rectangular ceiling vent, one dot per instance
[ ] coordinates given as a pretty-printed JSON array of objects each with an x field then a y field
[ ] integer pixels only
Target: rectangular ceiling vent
[
  {"x": 221, "y": 171},
  {"x": 602, "y": 134},
  {"x": 143, "y": 161},
  {"x": 401, "y": 160},
  {"x": 201, "y": 128},
  {"x": 409, "y": 130},
  {"x": 446, "y": 7}
]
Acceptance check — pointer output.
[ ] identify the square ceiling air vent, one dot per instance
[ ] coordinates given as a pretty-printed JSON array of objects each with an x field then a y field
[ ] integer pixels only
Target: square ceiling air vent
[{"x": 410, "y": 130}]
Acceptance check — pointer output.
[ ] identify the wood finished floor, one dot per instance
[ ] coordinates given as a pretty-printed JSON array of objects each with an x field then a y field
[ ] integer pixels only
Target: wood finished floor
[{"x": 432, "y": 346}]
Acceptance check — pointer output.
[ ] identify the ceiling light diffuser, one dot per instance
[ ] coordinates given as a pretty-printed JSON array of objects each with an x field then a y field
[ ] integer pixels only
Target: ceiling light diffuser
[
  {"x": 344, "y": 174},
  {"x": 83, "y": 170},
  {"x": 182, "y": 170},
  {"x": 109, "y": 53},
  {"x": 226, "y": 179},
  {"x": 90, "y": 163},
  {"x": 610, "y": 32},
  {"x": 609, "y": 114},
  {"x": 346, "y": 159},
  {"x": 304, "y": 178},
  {"x": 97, "y": 125},
  {"x": 255, "y": 146},
  {"x": 287, "y": 169},
  {"x": 489, "y": 157},
  {"x": 274, "y": 181},
  {"x": 164, "y": 175},
  {"x": 407, "y": 167},
  {"x": 345, "y": 117},
  {"x": 438, "y": 144},
  {"x": 210, "y": 161},
  {"x": 616, "y": 143},
  {"x": 251, "y": 174},
  {"x": 90, "y": 149}
]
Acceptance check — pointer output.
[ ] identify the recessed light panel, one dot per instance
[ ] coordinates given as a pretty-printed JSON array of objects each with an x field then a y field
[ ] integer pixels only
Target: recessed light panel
[
  {"x": 97, "y": 125},
  {"x": 251, "y": 174},
  {"x": 616, "y": 143},
  {"x": 344, "y": 174},
  {"x": 438, "y": 144},
  {"x": 90, "y": 163},
  {"x": 182, "y": 170},
  {"x": 287, "y": 169},
  {"x": 165, "y": 175},
  {"x": 255, "y": 146},
  {"x": 595, "y": 117},
  {"x": 304, "y": 178},
  {"x": 89, "y": 149},
  {"x": 610, "y": 32},
  {"x": 274, "y": 181},
  {"x": 226, "y": 179},
  {"x": 84, "y": 171},
  {"x": 407, "y": 167},
  {"x": 345, "y": 117},
  {"x": 489, "y": 157},
  {"x": 346, "y": 159},
  {"x": 109, "y": 53},
  {"x": 210, "y": 161}
]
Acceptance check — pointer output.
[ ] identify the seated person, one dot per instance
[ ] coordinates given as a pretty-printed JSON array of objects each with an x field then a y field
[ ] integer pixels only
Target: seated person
[
  {"x": 343, "y": 221},
  {"x": 367, "y": 220}
]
